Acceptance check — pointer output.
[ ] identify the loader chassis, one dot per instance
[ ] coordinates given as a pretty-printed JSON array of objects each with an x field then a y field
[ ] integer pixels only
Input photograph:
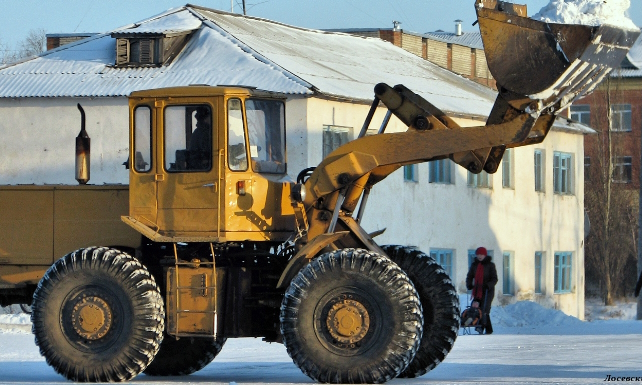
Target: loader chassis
[{"x": 212, "y": 239}]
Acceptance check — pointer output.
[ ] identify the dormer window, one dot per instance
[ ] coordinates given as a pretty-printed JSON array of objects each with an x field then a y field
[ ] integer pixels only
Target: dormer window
[{"x": 144, "y": 50}]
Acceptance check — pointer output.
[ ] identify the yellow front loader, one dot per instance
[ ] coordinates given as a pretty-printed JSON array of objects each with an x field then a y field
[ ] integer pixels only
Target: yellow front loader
[{"x": 233, "y": 248}]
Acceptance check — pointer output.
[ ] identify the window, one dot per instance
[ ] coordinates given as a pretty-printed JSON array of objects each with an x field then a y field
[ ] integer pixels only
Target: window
[
  {"x": 150, "y": 50},
  {"x": 137, "y": 51},
  {"x": 188, "y": 138},
  {"x": 266, "y": 130},
  {"x": 507, "y": 169},
  {"x": 410, "y": 173},
  {"x": 621, "y": 117},
  {"x": 236, "y": 145},
  {"x": 481, "y": 180},
  {"x": 334, "y": 137},
  {"x": 507, "y": 277},
  {"x": 622, "y": 169},
  {"x": 562, "y": 173},
  {"x": 563, "y": 269},
  {"x": 581, "y": 113},
  {"x": 538, "y": 272},
  {"x": 440, "y": 171},
  {"x": 587, "y": 168},
  {"x": 142, "y": 139},
  {"x": 539, "y": 170},
  {"x": 444, "y": 257}
]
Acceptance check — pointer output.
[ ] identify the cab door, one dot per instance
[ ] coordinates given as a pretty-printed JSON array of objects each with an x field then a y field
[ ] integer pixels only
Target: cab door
[
  {"x": 187, "y": 174},
  {"x": 143, "y": 159}
]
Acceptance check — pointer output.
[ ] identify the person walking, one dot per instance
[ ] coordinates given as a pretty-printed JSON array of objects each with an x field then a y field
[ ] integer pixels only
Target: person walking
[{"x": 481, "y": 279}]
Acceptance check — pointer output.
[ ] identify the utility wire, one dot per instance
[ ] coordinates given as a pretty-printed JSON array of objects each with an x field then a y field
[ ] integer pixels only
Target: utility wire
[
  {"x": 366, "y": 13},
  {"x": 86, "y": 12}
]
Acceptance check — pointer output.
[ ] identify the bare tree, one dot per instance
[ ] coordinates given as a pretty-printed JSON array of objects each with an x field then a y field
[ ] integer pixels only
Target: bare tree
[
  {"x": 33, "y": 44},
  {"x": 612, "y": 205}
]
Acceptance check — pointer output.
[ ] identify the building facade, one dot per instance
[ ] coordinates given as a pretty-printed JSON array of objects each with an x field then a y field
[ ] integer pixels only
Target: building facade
[{"x": 530, "y": 213}]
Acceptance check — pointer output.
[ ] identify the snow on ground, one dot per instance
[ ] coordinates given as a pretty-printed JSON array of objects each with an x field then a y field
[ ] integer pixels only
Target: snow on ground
[
  {"x": 587, "y": 12},
  {"x": 531, "y": 345}
]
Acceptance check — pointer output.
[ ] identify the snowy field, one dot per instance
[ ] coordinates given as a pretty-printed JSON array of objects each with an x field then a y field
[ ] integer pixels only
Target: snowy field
[{"x": 531, "y": 345}]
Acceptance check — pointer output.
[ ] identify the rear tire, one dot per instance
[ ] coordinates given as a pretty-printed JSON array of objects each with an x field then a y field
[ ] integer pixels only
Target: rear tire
[
  {"x": 440, "y": 304},
  {"x": 184, "y": 356},
  {"x": 98, "y": 316},
  {"x": 351, "y": 316}
]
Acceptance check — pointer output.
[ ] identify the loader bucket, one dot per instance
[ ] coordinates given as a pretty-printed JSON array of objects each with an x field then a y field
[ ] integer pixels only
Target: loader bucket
[{"x": 555, "y": 63}]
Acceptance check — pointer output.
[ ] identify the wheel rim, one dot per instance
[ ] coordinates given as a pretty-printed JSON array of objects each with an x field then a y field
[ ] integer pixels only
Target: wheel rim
[
  {"x": 347, "y": 321},
  {"x": 89, "y": 318}
]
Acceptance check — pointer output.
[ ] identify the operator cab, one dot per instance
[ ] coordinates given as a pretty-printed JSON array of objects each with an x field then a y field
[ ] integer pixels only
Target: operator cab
[{"x": 208, "y": 164}]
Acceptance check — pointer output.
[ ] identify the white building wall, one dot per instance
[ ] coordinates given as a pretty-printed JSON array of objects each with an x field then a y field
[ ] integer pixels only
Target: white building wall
[{"x": 38, "y": 145}]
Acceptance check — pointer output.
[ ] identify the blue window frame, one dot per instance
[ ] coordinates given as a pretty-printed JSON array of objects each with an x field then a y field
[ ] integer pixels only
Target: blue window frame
[
  {"x": 410, "y": 173},
  {"x": 562, "y": 173},
  {"x": 507, "y": 169},
  {"x": 507, "y": 278},
  {"x": 445, "y": 258},
  {"x": 440, "y": 171},
  {"x": 563, "y": 271},
  {"x": 581, "y": 113},
  {"x": 538, "y": 272},
  {"x": 481, "y": 180},
  {"x": 539, "y": 170}
]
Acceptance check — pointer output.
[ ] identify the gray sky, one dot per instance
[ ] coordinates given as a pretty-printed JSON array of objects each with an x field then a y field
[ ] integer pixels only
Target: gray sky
[{"x": 66, "y": 16}]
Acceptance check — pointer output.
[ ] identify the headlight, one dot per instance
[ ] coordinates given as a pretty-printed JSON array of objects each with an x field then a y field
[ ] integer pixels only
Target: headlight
[{"x": 298, "y": 192}]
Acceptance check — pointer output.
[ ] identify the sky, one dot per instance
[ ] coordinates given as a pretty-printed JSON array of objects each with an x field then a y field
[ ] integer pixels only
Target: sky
[{"x": 18, "y": 17}]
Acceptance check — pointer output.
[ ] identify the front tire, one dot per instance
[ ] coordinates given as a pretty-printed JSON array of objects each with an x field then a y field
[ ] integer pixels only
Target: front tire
[
  {"x": 98, "y": 316},
  {"x": 440, "y": 305},
  {"x": 180, "y": 357},
  {"x": 351, "y": 316}
]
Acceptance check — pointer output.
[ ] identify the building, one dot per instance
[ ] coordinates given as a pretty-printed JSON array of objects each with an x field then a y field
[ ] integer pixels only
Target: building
[
  {"x": 625, "y": 90},
  {"x": 460, "y": 52},
  {"x": 533, "y": 227}
]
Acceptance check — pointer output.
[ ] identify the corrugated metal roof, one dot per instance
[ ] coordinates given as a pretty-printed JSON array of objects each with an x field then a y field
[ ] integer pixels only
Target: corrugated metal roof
[
  {"x": 172, "y": 21},
  {"x": 574, "y": 127},
  {"x": 343, "y": 65},
  {"x": 233, "y": 49},
  {"x": 466, "y": 39}
]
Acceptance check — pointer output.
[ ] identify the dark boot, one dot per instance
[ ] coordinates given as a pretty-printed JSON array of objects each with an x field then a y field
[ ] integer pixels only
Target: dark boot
[{"x": 489, "y": 325}]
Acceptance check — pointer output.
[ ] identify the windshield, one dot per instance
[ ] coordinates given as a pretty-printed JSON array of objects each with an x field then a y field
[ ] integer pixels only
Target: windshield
[{"x": 266, "y": 129}]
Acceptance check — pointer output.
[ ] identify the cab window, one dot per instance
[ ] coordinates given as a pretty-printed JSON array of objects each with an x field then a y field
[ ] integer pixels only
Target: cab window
[
  {"x": 266, "y": 130},
  {"x": 142, "y": 139},
  {"x": 188, "y": 138},
  {"x": 236, "y": 148}
]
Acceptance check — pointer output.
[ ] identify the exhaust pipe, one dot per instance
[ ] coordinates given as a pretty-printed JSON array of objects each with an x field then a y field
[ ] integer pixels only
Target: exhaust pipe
[{"x": 83, "y": 149}]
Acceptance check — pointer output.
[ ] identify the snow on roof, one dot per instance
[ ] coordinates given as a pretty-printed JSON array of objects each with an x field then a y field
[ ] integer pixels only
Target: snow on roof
[
  {"x": 466, "y": 39},
  {"x": 571, "y": 126},
  {"x": 232, "y": 49},
  {"x": 348, "y": 66},
  {"x": 86, "y": 68},
  {"x": 172, "y": 21}
]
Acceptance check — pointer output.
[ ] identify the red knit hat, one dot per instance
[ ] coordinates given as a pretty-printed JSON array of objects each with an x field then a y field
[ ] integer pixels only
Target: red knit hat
[{"x": 481, "y": 251}]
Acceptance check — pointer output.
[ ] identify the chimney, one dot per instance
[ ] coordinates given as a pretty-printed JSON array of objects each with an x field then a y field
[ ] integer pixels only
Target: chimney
[
  {"x": 395, "y": 25},
  {"x": 458, "y": 31}
]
